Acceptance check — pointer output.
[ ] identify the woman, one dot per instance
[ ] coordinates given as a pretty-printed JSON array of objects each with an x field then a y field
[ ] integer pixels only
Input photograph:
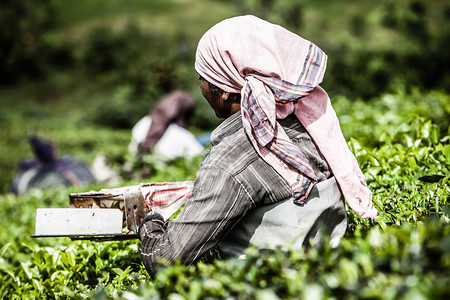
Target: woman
[{"x": 279, "y": 150}]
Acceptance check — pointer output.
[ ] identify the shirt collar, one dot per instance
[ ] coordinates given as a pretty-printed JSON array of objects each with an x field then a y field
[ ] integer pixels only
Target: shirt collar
[{"x": 226, "y": 128}]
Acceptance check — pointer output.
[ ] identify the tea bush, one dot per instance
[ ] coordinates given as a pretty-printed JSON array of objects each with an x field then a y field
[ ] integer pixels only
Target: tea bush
[
  {"x": 375, "y": 122},
  {"x": 402, "y": 255}
]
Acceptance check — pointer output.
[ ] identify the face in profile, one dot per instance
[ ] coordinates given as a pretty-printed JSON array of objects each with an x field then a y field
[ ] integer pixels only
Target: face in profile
[{"x": 216, "y": 101}]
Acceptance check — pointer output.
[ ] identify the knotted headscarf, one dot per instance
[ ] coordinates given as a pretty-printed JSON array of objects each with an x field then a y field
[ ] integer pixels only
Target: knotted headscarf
[{"x": 278, "y": 73}]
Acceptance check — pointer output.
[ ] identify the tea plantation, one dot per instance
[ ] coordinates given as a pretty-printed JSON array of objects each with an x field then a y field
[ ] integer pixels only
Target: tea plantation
[
  {"x": 405, "y": 254},
  {"x": 82, "y": 72}
]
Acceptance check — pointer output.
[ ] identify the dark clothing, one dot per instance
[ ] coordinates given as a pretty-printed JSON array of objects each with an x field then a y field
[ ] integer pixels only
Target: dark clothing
[
  {"x": 46, "y": 170},
  {"x": 232, "y": 180},
  {"x": 64, "y": 171}
]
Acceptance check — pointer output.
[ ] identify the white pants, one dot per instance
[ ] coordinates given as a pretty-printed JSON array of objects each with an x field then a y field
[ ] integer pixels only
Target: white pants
[{"x": 288, "y": 224}]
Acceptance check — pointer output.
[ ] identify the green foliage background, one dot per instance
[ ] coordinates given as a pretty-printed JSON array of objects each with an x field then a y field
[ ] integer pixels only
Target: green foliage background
[{"x": 81, "y": 73}]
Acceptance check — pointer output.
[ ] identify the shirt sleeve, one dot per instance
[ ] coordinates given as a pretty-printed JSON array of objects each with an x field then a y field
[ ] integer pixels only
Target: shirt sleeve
[{"x": 218, "y": 201}]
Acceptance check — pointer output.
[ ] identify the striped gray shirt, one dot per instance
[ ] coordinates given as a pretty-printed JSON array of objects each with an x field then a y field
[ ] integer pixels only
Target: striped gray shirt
[{"x": 231, "y": 180}]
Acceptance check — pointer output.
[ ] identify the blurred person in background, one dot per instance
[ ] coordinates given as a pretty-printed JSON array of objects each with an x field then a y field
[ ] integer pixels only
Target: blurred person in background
[
  {"x": 164, "y": 131},
  {"x": 47, "y": 170}
]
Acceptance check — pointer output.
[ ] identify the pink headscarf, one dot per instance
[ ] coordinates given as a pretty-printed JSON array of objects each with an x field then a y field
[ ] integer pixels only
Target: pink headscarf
[{"x": 278, "y": 73}]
